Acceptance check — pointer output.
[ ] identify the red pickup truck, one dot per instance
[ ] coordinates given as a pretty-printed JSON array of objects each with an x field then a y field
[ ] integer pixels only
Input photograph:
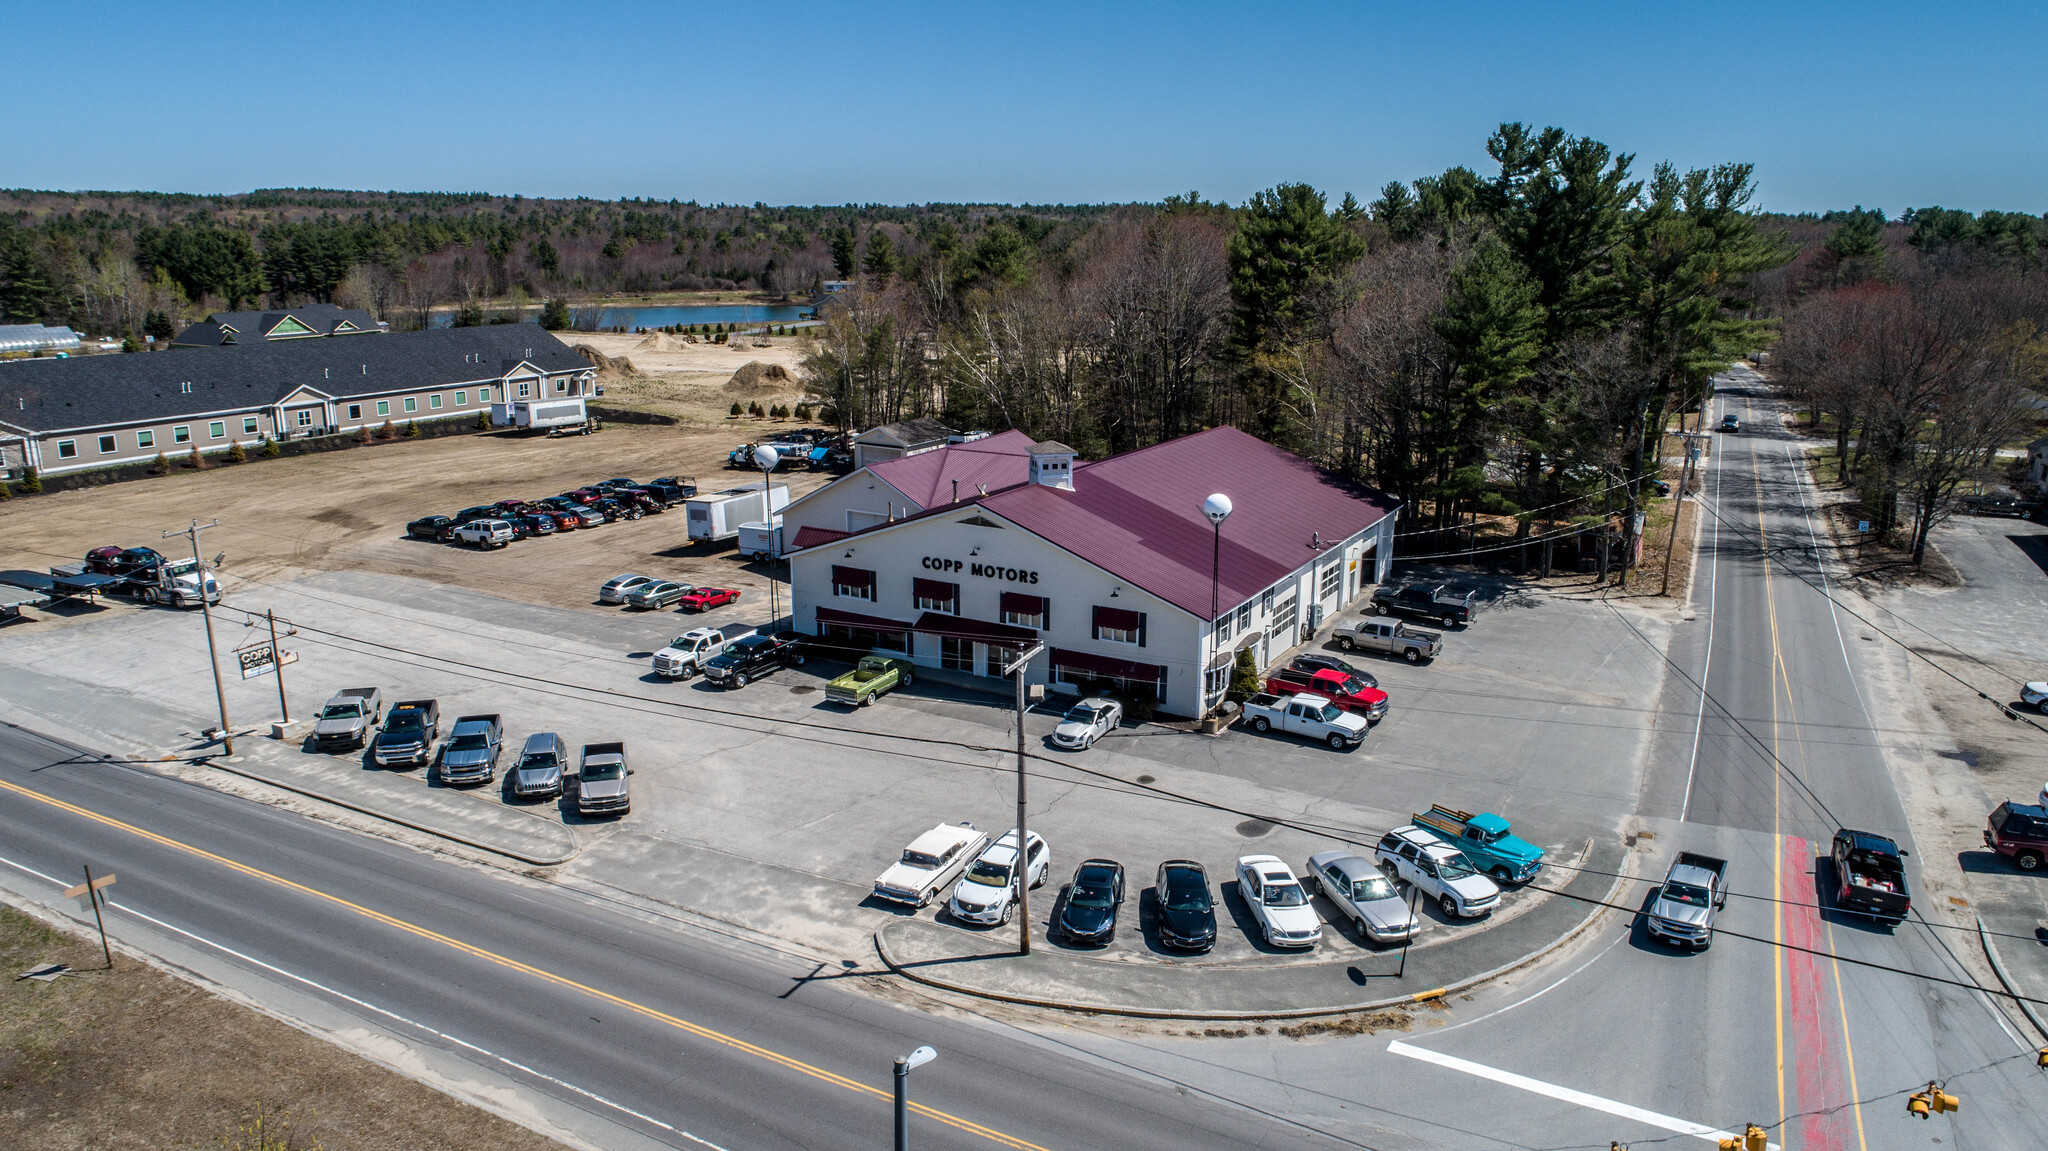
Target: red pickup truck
[
  {"x": 703, "y": 598},
  {"x": 1346, "y": 691}
]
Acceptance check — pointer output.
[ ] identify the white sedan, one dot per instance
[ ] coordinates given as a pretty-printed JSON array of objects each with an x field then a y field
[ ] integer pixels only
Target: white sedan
[
  {"x": 1278, "y": 902},
  {"x": 1086, "y": 722},
  {"x": 987, "y": 894}
]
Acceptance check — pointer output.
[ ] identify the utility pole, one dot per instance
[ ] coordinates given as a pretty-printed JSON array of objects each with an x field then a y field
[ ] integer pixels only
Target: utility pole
[
  {"x": 1020, "y": 872},
  {"x": 277, "y": 667},
  {"x": 227, "y": 735},
  {"x": 1678, "y": 505}
]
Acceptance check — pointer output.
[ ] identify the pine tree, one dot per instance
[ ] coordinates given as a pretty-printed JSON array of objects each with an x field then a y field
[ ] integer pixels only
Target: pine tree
[
  {"x": 271, "y": 449},
  {"x": 6, "y": 491},
  {"x": 194, "y": 460},
  {"x": 1244, "y": 677},
  {"x": 880, "y": 261},
  {"x": 736, "y": 409},
  {"x": 412, "y": 429},
  {"x": 161, "y": 465},
  {"x": 843, "y": 251},
  {"x": 386, "y": 431},
  {"x": 554, "y": 315},
  {"x": 545, "y": 257},
  {"x": 32, "y": 481},
  {"x": 236, "y": 453}
]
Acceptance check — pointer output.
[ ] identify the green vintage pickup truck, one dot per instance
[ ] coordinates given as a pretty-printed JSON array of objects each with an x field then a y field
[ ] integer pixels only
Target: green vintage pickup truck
[{"x": 874, "y": 675}]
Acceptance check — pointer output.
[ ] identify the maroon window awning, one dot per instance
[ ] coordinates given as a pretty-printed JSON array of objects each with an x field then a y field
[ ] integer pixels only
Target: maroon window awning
[
  {"x": 934, "y": 589},
  {"x": 1020, "y": 604},
  {"x": 1119, "y": 619},
  {"x": 1105, "y": 665},
  {"x": 936, "y": 623},
  {"x": 855, "y": 619},
  {"x": 852, "y": 577},
  {"x": 809, "y": 536}
]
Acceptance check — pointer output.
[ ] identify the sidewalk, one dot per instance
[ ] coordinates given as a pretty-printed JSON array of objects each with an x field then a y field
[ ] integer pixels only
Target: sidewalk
[
  {"x": 2013, "y": 931},
  {"x": 1355, "y": 977}
]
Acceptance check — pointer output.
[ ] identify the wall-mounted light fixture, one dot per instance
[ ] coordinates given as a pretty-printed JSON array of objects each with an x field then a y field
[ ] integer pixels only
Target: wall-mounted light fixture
[
  {"x": 974, "y": 551},
  {"x": 849, "y": 553},
  {"x": 1114, "y": 590}
]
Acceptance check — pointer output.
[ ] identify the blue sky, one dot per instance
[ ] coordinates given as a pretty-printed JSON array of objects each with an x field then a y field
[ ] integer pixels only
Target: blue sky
[{"x": 1885, "y": 105}]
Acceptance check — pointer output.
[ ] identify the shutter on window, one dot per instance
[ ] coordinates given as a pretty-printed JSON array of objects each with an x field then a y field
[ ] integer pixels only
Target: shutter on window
[{"x": 852, "y": 577}]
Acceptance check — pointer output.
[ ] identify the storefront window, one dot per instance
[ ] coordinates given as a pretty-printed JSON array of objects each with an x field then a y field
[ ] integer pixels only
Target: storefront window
[{"x": 956, "y": 654}]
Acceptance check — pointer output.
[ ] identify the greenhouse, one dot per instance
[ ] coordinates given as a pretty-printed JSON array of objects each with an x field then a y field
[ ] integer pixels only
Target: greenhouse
[{"x": 36, "y": 338}]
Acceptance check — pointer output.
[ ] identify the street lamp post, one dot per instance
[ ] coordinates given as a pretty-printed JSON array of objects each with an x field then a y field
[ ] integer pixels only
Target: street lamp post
[
  {"x": 768, "y": 457},
  {"x": 1217, "y": 508},
  {"x": 904, "y": 1064}
]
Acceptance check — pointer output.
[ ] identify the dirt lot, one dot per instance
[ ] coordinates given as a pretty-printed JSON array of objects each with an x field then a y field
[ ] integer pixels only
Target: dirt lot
[
  {"x": 693, "y": 382},
  {"x": 348, "y": 510},
  {"x": 166, "y": 1064}
]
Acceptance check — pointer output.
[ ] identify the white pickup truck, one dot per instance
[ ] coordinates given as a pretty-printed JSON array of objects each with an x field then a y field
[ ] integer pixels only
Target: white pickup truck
[
  {"x": 1310, "y": 716},
  {"x": 686, "y": 654}
]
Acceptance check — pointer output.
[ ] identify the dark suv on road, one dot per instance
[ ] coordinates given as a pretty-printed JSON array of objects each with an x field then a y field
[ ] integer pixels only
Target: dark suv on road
[{"x": 2018, "y": 831}]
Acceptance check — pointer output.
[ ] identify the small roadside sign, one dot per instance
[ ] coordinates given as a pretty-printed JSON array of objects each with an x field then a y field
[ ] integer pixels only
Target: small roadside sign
[
  {"x": 1863, "y": 525},
  {"x": 257, "y": 661},
  {"x": 77, "y": 890}
]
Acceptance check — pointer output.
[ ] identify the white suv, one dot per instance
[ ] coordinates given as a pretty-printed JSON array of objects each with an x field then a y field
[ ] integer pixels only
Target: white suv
[
  {"x": 987, "y": 893},
  {"x": 1278, "y": 902},
  {"x": 1438, "y": 870}
]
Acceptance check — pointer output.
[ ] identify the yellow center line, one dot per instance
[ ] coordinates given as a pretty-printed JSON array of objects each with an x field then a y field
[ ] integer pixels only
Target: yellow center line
[
  {"x": 660, "y": 1016},
  {"x": 1777, "y": 845}
]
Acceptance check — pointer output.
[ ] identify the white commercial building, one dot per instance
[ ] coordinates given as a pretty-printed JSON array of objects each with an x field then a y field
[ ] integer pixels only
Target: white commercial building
[{"x": 1111, "y": 565}]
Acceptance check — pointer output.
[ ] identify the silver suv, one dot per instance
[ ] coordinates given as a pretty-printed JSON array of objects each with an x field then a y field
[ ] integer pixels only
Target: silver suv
[{"x": 539, "y": 770}]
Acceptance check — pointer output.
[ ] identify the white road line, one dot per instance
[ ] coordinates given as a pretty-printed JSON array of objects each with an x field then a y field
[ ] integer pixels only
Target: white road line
[
  {"x": 1566, "y": 1094},
  {"x": 345, "y": 997},
  {"x": 1542, "y": 993},
  {"x": 1706, "y": 669}
]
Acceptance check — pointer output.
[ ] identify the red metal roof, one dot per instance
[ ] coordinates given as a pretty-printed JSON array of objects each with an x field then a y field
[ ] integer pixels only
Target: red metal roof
[
  {"x": 927, "y": 477},
  {"x": 1139, "y": 515},
  {"x": 808, "y": 536}
]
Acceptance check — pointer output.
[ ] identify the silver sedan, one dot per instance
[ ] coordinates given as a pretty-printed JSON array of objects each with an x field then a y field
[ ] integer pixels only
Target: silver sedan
[{"x": 1362, "y": 894}]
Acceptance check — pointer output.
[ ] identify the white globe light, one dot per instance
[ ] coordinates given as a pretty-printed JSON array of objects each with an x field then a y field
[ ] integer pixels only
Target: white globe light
[
  {"x": 766, "y": 457},
  {"x": 1217, "y": 508}
]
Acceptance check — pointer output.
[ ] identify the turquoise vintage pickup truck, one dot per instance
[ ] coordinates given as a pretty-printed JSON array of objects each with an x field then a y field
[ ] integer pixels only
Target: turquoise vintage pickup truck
[{"x": 1487, "y": 841}]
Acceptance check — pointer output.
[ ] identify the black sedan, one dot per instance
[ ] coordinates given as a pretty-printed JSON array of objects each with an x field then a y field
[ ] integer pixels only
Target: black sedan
[
  {"x": 1187, "y": 909},
  {"x": 1316, "y": 661},
  {"x": 1097, "y": 894},
  {"x": 429, "y": 527}
]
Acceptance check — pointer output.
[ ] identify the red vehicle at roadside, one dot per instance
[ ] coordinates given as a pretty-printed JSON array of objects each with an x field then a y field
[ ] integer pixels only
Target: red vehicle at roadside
[
  {"x": 564, "y": 521},
  {"x": 704, "y": 598},
  {"x": 2019, "y": 831},
  {"x": 1346, "y": 691},
  {"x": 100, "y": 561}
]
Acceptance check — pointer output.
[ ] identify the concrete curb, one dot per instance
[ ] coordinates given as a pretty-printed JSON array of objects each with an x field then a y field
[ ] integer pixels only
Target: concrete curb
[
  {"x": 882, "y": 949},
  {"x": 1998, "y": 968},
  {"x": 388, "y": 818}
]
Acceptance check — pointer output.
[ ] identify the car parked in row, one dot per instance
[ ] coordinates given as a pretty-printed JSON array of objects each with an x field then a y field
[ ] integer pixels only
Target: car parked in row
[
  {"x": 1348, "y": 692},
  {"x": 1362, "y": 893},
  {"x": 440, "y": 528},
  {"x": 987, "y": 891},
  {"x": 1415, "y": 856},
  {"x": 755, "y": 657},
  {"x": 706, "y": 598},
  {"x": 470, "y": 753},
  {"x": 1089, "y": 914},
  {"x": 1315, "y": 661},
  {"x": 932, "y": 862},
  {"x": 602, "y": 787},
  {"x": 1440, "y": 602},
  {"x": 1187, "y": 908},
  {"x": 540, "y": 769},
  {"x": 617, "y": 588},
  {"x": 655, "y": 595},
  {"x": 1278, "y": 902},
  {"x": 409, "y": 733},
  {"x": 2019, "y": 831}
]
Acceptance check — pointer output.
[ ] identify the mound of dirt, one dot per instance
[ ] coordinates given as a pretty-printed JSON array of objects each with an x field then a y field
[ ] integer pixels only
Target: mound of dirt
[
  {"x": 658, "y": 342},
  {"x": 758, "y": 379},
  {"x": 606, "y": 365}
]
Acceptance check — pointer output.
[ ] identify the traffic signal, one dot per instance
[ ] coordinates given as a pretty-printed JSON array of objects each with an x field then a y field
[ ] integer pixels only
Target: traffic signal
[
  {"x": 1924, "y": 1103},
  {"x": 2041, "y": 1057},
  {"x": 1752, "y": 1140}
]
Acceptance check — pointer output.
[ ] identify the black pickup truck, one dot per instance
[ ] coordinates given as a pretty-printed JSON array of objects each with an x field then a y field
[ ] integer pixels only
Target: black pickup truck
[
  {"x": 410, "y": 728},
  {"x": 1441, "y": 602},
  {"x": 756, "y": 657},
  {"x": 1870, "y": 875}
]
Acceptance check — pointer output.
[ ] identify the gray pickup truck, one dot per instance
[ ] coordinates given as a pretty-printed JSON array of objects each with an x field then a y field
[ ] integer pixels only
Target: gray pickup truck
[
  {"x": 346, "y": 718},
  {"x": 601, "y": 787},
  {"x": 409, "y": 733},
  {"x": 1390, "y": 637},
  {"x": 470, "y": 754},
  {"x": 1683, "y": 911},
  {"x": 1439, "y": 602}
]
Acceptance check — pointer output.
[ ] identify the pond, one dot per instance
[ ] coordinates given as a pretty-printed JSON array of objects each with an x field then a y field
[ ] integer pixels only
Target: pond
[{"x": 630, "y": 318}]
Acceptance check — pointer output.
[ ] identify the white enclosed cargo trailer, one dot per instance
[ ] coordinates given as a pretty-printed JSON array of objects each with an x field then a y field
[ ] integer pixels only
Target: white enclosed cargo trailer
[
  {"x": 759, "y": 539},
  {"x": 718, "y": 516},
  {"x": 541, "y": 415}
]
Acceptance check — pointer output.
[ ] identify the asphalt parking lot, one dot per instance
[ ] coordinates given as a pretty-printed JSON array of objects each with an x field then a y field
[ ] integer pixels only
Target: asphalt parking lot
[{"x": 809, "y": 801}]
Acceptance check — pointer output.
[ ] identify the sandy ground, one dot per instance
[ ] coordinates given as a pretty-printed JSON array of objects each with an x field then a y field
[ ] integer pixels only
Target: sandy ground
[
  {"x": 164, "y": 1063},
  {"x": 348, "y": 510},
  {"x": 691, "y": 381}
]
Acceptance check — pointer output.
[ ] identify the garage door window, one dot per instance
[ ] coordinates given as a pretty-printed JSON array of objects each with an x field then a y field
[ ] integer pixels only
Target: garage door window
[
  {"x": 145, "y": 439},
  {"x": 1333, "y": 578},
  {"x": 218, "y": 429},
  {"x": 66, "y": 449},
  {"x": 106, "y": 445}
]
